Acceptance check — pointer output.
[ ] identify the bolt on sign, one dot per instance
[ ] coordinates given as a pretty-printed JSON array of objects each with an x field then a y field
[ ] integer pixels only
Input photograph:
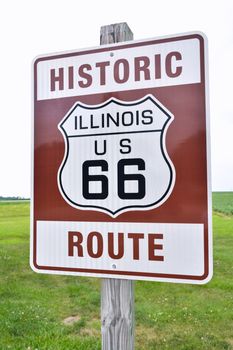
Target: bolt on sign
[{"x": 121, "y": 162}]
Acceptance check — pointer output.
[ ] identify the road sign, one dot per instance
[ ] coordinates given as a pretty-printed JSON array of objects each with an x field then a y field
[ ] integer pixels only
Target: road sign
[{"x": 121, "y": 162}]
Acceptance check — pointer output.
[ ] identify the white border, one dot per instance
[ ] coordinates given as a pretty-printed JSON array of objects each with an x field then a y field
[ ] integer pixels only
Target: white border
[
  {"x": 32, "y": 168},
  {"x": 210, "y": 242},
  {"x": 208, "y": 158}
]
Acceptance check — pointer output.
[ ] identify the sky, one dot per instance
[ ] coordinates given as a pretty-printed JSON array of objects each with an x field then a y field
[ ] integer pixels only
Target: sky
[{"x": 31, "y": 28}]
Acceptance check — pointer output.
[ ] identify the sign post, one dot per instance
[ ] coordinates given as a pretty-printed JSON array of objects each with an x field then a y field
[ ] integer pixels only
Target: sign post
[
  {"x": 117, "y": 295},
  {"x": 121, "y": 172}
]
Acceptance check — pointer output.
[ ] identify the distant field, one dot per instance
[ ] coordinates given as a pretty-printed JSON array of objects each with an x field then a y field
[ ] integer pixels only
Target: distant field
[
  {"x": 223, "y": 202},
  {"x": 33, "y": 306}
]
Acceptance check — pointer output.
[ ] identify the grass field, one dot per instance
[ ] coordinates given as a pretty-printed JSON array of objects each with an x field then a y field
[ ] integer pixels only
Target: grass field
[
  {"x": 33, "y": 307},
  {"x": 223, "y": 202}
]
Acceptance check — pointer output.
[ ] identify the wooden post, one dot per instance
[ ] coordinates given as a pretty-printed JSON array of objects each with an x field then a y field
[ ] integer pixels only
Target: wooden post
[
  {"x": 115, "y": 33},
  {"x": 117, "y": 314},
  {"x": 117, "y": 296}
]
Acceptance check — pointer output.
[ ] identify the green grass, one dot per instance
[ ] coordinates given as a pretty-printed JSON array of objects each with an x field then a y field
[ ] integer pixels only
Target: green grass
[
  {"x": 168, "y": 316},
  {"x": 223, "y": 202}
]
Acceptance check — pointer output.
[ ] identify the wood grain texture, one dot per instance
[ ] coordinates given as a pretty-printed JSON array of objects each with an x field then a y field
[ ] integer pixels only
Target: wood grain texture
[
  {"x": 117, "y": 296},
  {"x": 117, "y": 314},
  {"x": 115, "y": 33}
]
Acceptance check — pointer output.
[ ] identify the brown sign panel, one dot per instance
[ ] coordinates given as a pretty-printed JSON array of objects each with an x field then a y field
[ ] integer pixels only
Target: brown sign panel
[{"x": 121, "y": 172}]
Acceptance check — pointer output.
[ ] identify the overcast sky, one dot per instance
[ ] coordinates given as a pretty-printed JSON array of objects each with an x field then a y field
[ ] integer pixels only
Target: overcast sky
[{"x": 31, "y": 28}]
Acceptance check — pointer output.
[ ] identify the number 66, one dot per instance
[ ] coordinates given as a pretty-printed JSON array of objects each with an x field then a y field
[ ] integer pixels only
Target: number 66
[{"x": 122, "y": 178}]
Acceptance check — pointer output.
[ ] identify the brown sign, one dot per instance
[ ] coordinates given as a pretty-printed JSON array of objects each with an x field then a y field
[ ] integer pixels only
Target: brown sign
[{"x": 121, "y": 177}]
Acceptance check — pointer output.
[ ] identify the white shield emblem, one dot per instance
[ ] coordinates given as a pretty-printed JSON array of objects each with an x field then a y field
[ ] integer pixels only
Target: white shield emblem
[{"x": 115, "y": 156}]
